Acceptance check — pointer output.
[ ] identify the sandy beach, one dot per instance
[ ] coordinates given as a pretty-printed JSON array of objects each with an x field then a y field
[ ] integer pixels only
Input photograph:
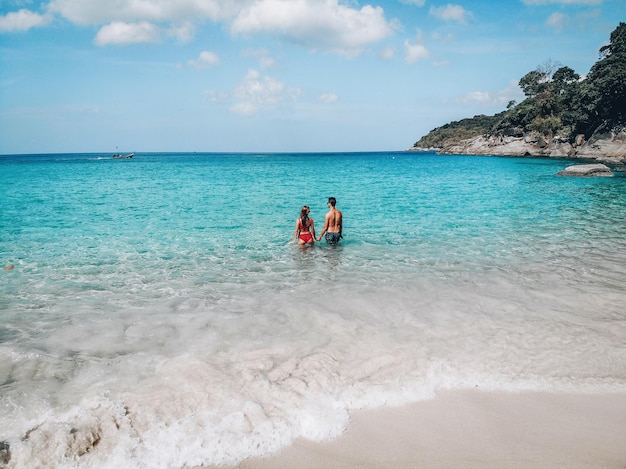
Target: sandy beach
[{"x": 473, "y": 429}]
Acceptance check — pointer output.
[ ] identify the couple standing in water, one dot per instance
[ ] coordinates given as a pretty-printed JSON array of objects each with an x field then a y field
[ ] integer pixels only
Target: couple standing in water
[{"x": 305, "y": 228}]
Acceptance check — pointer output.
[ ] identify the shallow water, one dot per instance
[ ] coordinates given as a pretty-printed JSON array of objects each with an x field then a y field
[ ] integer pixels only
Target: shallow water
[{"x": 157, "y": 317}]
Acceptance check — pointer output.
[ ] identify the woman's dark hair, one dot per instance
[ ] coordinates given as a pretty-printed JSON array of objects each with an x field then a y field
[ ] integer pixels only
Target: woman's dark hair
[{"x": 304, "y": 216}]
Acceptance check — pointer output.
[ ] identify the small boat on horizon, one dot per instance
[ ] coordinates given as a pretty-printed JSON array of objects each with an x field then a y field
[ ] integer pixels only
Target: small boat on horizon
[{"x": 121, "y": 156}]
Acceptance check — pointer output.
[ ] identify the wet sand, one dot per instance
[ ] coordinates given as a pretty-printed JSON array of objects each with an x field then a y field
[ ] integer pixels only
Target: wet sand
[{"x": 473, "y": 429}]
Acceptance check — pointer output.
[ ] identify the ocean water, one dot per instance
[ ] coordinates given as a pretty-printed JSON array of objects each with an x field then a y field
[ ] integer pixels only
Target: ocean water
[{"x": 156, "y": 316}]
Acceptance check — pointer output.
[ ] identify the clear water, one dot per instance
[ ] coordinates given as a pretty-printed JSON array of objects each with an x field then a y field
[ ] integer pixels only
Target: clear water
[{"x": 157, "y": 316}]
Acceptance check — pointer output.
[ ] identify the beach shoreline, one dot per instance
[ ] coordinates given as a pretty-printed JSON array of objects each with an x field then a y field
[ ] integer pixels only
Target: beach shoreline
[{"x": 472, "y": 429}]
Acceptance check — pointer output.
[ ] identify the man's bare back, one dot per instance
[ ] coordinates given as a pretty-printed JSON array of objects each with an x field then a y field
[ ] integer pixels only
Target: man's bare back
[
  {"x": 333, "y": 223},
  {"x": 333, "y": 219}
]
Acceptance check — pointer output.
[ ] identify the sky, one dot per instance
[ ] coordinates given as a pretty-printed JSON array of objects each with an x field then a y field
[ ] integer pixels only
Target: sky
[{"x": 273, "y": 75}]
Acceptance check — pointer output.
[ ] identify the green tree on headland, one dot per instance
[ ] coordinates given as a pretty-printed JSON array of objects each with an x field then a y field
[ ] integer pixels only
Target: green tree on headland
[
  {"x": 607, "y": 80},
  {"x": 558, "y": 102}
]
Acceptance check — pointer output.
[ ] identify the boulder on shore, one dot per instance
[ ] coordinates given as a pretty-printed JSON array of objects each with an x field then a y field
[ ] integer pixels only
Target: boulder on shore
[
  {"x": 587, "y": 170},
  {"x": 605, "y": 147}
]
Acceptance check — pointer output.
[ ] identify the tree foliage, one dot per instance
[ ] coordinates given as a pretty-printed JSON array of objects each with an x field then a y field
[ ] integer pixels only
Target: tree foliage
[
  {"x": 557, "y": 101},
  {"x": 458, "y": 130},
  {"x": 607, "y": 80}
]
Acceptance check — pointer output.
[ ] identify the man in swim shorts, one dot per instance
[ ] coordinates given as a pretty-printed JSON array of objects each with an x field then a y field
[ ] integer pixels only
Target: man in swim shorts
[{"x": 332, "y": 223}]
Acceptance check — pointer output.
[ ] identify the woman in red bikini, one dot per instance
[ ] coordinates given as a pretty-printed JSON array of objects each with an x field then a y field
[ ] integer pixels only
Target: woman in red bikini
[{"x": 305, "y": 229}]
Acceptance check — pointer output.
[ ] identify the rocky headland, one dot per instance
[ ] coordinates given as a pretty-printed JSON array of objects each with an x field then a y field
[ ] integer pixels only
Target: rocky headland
[
  {"x": 603, "y": 147},
  {"x": 564, "y": 115}
]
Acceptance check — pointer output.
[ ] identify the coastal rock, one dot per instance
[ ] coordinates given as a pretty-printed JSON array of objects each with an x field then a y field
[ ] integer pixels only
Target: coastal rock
[
  {"x": 5, "y": 453},
  {"x": 424, "y": 149},
  {"x": 605, "y": 147},
  {"x": 528, "y": 145},
  {"x": 587, "y": 170}
]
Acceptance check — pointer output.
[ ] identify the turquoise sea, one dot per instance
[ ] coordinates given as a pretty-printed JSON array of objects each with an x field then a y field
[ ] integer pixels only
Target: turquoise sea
[{"x": 156, "y": 316}]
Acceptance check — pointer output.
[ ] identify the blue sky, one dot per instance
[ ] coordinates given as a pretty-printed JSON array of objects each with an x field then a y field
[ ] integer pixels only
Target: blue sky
[{"x": 273, "y": 75}]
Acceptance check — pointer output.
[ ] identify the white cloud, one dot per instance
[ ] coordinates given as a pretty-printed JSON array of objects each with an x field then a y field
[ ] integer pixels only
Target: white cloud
[
  {"x": 494, "y": 98},
  {"x": 328, "y": 98},
  {"x": 329, "y": 25},
  {"x": 479, "y": 97},
  {"x": 387, "y": 53},
  {"x": 416, "y": 50},
  {"x": 99, "y": 11},
  {"x": 205, "y": 59},
  {"x": 262, "y": 55},
  {"x": 450, "y": 12},
  {"x": 266, "y": 62},
  {"x": 319, "y": 24},
  {"x": 244, "y": 107},
  {"x": 443, "y": 38},
  {"x": 183, "y": 32},
  {"x": 557, "y": 20},
  {"x": 127, "y": 33},
  {"x": 217, "y": 96},
  {"x": 258, "y": 92},
  {"x": 562, "y": 2},
  {"x": 22, "y": 20}
]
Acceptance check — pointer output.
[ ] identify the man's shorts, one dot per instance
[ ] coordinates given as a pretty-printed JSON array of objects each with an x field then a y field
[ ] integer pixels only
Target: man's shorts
[{"x": 332, "y": 238}]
